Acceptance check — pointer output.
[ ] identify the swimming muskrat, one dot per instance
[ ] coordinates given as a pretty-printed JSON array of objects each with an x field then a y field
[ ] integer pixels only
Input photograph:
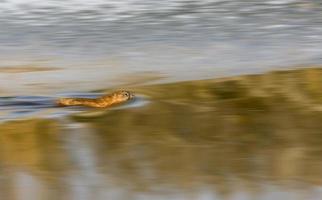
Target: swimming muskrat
[{"x": 101, "y": 102}]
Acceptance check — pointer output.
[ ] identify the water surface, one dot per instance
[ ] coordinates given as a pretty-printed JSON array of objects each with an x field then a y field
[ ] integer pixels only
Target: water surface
[
  {"x": 252, "y": 135},
  {"x": 245, "y": 137},
  {"x": 97, "y": 44}
]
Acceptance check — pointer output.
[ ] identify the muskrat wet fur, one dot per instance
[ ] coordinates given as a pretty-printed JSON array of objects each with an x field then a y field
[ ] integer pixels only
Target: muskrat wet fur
[{"x": 100, "y": 102}]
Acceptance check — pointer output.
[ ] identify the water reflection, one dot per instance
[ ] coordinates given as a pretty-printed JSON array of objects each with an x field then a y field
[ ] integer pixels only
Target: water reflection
[{"x": 247, "y": 137}]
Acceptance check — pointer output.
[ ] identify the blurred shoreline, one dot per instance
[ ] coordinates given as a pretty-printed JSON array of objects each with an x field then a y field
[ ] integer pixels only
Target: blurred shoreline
[{"x": 46, "y": 80}]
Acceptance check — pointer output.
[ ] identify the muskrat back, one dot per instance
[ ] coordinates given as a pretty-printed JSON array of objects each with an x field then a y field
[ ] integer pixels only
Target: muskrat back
[{"x": 100, "y": 102}]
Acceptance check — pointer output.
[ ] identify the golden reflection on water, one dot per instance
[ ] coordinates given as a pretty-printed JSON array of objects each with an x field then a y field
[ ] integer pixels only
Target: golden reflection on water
[{"x": 253, "y": 137}]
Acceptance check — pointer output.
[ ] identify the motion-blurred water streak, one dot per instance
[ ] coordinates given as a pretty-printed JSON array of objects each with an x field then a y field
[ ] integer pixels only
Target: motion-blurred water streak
[
  {"x": 245, "y": 137},
  {"x": 253, "y": 136},
  {"x": 96, "y": 43}
]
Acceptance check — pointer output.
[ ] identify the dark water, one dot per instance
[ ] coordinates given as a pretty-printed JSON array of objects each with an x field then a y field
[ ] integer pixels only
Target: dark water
[{"x": 246, "y": 137}]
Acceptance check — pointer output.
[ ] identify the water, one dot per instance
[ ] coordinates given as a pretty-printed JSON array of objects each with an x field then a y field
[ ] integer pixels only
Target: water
[
  {"x": 168, "y": 41},
  {"x": 246, "y": 137},
  {"x": 22, "y": 107},
  {"x": 233, "y": 131}
]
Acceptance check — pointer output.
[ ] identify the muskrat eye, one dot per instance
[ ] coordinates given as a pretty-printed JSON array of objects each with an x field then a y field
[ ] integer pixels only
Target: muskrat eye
[{"x": 126, "y": 94}]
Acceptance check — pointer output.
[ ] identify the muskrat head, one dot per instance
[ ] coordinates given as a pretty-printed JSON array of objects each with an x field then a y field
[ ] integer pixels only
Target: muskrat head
[{"x": 123, "y": 95}]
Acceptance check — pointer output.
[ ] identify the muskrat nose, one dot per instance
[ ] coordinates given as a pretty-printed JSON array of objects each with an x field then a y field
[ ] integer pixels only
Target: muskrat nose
[{"x": 132, "y": 95}]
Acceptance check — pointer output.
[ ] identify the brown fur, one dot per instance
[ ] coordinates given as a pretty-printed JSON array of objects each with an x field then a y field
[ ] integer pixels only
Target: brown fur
[{"x": 101, "y": 102}]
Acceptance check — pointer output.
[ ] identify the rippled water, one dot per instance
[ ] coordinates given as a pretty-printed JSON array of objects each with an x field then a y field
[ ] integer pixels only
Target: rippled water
[
  {"x": 256, "y": 136},
  {"x": 246, "y": 137},
  {"x": 171, "y": 40}
]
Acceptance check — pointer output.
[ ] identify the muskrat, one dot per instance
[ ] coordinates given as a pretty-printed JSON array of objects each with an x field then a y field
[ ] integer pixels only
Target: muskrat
[{"x": 100, "y": 102}]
